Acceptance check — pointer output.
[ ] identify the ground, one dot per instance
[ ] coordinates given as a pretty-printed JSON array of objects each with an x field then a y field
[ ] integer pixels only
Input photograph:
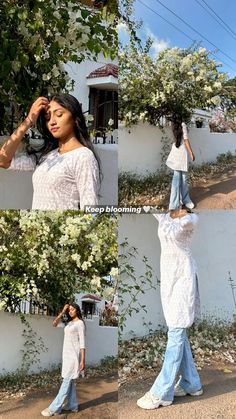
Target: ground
[
  {"x": 212, "y": 185},
  {"x": 215, "y": 192},
  {"x": 217, "y": 402},
  {"x": 97, "y": 396}
]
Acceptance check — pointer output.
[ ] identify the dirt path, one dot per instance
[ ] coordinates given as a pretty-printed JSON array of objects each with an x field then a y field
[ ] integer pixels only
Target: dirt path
[
  {"x": 213, "y": 192},
  {"x": 97, "y": 396},
  {"x": 217, "y": 402},
  {"x": 218, "y": 192}
]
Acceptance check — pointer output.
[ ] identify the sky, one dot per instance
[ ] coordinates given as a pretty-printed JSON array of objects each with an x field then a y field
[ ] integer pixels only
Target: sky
[{"x": 192, "y": 12}]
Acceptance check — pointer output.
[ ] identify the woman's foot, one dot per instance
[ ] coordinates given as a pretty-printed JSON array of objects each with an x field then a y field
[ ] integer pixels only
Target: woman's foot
[
  {"x": 47, "y": 413},
  {"x": 189, "y": 205},
  {"x": 149, "y": 401},
  {"x": 179, "y": 392}
]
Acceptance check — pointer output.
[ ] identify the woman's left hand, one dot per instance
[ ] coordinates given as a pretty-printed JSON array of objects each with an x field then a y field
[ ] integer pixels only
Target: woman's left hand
[{"x": 81, "y": 366}]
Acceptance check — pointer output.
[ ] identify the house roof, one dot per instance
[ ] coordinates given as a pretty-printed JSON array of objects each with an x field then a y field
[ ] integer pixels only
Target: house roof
[
  {"x": 91, "y": 297},
  {"x": 105, "y": 71}
]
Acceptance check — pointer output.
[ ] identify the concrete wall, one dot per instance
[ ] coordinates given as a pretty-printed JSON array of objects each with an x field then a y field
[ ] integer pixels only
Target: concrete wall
[
  {"x": 214, "y": 249},
  {"x": 16, "y": 189},
  {"x": 100, "y": 341},
  {"x": 140, "y": 147}
]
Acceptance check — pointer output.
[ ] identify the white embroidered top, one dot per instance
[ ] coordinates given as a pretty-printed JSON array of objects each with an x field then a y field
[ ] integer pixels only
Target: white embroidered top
[
  {"x": 62, "y": 181},
  {"x": 74, "y": 340},
  {"x": 178, "y": 157},
  {"x": 179, "y": 283}
]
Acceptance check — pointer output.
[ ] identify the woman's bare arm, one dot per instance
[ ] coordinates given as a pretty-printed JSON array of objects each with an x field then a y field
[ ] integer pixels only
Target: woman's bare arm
[
  {"x": 57, "y": 320},
  {"x": 82, "y": 359},
  {"x": 189, "y": 148},
  {"x": 9, "y": 147}
]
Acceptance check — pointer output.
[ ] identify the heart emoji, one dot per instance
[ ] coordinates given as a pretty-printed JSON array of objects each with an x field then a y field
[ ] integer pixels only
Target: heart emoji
[{"x": 146, "y": 208}]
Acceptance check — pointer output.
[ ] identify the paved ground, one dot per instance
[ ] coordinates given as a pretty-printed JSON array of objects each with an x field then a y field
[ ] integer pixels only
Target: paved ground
[
  {"x": 217, "y": 402},
  {"x": 98, "y": 400}
]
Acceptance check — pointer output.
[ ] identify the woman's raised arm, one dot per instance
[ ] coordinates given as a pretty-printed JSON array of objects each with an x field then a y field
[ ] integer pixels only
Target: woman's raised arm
[
  {"x": 57, "y": 320},
  {"x": 9, "y": 147}
]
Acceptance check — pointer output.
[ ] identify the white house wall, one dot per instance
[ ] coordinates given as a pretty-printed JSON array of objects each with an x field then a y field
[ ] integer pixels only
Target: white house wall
[
  {"x": 12, "y": 342},
  {"x": 214, "y": 249},
  {"x": 79, "y": 73},
  {"x": 140, "y": 147}
]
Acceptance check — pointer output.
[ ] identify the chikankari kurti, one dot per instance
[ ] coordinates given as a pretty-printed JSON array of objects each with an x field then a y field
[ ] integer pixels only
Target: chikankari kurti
[
  {"x": 178, "y": 157},
  {"x": 74, "y": 340},
  {"x": 179, "y": 282},
  {"x": 62, "y": 181}
]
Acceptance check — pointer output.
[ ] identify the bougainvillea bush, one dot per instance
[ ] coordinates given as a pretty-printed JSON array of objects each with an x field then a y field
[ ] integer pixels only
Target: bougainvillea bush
[
  {"x": 177, "y": 81},
  {"x": 50, "y": 255}
]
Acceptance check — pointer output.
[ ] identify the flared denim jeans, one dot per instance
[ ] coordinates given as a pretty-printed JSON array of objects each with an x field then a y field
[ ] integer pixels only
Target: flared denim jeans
[
  {"x": 178, "y": 360},
  {"x": 179, "y": 189},
  {"x": 67, "y": 390}
]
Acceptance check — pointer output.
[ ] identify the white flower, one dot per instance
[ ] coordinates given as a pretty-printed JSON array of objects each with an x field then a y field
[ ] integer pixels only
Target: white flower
[
  {"x": 216, "y": 100},
  {"x": 46, "y": 77},
  {"x": 207, "y": 89},
  {"x": 37, "y": 58},
  {"x": 110, "y": 122},
  {"x": 85, "y": 38},
  {"x": 56, "y": 14},
  {"x": 89, "y": 118},
  {"x": 55, "y": 71},
  {"x": 217, "y": 85},
  {"x": 114, "y": 272},
  {"x": 16, "y": 65}
]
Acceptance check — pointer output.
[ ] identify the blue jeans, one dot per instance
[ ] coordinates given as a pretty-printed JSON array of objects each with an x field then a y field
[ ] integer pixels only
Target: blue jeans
[
  {"x": 179, "y": 189},
  {"x": 178, "y": 359},
  {"x": 67, "y": 390}
]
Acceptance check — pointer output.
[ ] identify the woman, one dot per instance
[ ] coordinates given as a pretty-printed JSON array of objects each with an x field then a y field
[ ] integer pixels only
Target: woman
[
  {"x": 73, "y": 361},
  {"x": 178, "y": 162},
  {"x": 181, "y": 306},
  {"x": 66, "y": 174}
]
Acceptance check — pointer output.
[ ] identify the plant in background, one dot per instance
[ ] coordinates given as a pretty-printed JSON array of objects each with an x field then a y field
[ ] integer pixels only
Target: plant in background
[
  {"x": 233, "y": 288},
  {"x": 177, "y": 81},
  {"x": 37, "y": 38},
  {"x": 232, "y": 124},
  {"x": 33, "y": 346},
  {"x": 219, "y": 123},
  {"x": 131, "y": 284},
  {"x": 199, "y": 122}
]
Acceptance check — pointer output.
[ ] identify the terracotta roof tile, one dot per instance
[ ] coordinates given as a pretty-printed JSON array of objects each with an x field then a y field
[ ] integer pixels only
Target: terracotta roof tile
[{"x": 105, "y": 71}]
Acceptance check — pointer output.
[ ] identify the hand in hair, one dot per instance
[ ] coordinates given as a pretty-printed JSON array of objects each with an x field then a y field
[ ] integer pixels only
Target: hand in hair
[{"x": 36, "y": 108}]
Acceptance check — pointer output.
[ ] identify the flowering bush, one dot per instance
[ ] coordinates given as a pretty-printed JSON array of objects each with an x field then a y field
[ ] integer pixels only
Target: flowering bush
[
  {"x": 219, "y": 123},
  {"x": 53, "y": 254},
  {"x": 177, "y": 81},
  {"x": 232, "y": 125},
  {"x": 37, "y": 37}
]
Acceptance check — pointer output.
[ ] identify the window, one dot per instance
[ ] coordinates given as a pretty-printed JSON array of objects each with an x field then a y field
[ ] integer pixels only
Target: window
[{"x": 103, "y": 105}]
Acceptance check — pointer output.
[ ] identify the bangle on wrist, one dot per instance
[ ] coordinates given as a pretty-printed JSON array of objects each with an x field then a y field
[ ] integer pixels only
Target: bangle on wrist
[{"x": 30, "y": 120}]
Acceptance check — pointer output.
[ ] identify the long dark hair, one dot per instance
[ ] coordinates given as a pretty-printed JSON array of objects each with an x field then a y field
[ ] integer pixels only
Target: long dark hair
[
  {"x": 70, "y": 103},
  {"x": 68, "y": 318},
  {"x": 176, "y": 125}
]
